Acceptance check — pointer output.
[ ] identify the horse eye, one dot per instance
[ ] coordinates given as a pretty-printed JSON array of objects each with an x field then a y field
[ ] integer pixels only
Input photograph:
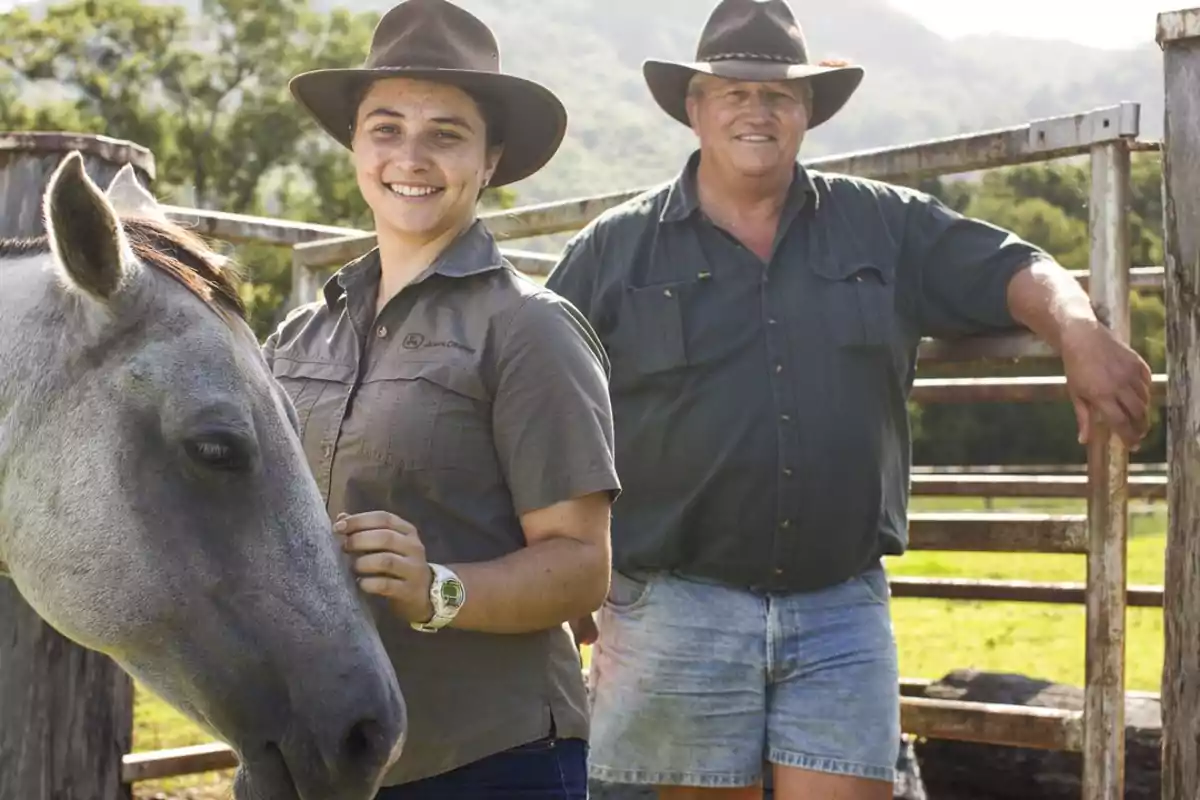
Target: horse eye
[{"x": 217, "y": 452}]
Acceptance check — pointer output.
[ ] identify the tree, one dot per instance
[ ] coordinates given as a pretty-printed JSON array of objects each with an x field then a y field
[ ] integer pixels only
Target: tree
[{"x": 1046, "y": 204}]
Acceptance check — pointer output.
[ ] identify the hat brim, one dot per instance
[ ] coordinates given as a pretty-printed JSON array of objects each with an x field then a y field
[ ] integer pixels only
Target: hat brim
[
  {"x": 832, "y": 85},
  {"x": 534, "y": 120}
]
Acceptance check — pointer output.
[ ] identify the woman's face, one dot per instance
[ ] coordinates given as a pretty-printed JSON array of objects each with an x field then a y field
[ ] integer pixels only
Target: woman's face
[{"x": 421, "y": 157}]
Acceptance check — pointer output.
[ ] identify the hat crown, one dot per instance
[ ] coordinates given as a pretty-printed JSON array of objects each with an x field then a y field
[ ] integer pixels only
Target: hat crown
[
  {"x": 432, "y": 34},
  {"x": 753, "y": 30}
]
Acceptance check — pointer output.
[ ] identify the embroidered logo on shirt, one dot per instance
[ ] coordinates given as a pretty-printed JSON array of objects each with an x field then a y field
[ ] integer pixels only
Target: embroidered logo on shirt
[{"x": 417, "y": 341}]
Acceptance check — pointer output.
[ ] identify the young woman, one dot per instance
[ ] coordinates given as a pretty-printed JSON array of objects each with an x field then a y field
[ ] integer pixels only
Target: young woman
[{"x": 456, "y": 416}]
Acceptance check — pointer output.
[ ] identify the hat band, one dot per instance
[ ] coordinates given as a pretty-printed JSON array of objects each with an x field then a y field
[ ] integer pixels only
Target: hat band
[
  {"x": 396, "y": 57},
  {"x": 751, "y": 57}
]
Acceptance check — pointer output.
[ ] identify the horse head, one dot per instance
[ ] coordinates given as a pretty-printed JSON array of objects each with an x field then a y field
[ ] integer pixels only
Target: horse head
[{"x": 156, "y": 506}]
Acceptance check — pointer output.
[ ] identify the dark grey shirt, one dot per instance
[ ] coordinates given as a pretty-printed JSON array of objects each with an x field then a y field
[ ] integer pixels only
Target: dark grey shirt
[
  {"x": 474, "y": 397},
  {"x": 760, "y": 409}
]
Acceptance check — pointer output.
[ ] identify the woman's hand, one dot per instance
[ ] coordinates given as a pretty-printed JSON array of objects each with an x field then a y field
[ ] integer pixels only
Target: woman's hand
[{"x": 389, "y": 560}]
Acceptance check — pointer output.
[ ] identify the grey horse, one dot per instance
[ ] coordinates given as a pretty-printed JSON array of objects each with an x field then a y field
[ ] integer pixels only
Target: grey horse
[{"x": 155, "y": 504}]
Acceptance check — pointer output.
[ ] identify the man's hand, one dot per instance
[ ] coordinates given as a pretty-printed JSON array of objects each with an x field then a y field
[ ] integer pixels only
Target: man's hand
[
  {"x": 390, "y": 560},
  {"x": 1108, "y": 382}
]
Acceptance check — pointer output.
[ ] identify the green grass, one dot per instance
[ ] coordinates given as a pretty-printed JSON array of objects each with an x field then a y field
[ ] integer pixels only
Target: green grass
[
  {"x": 934, "y": 636},
  {"x": 1040, "y": 640}
]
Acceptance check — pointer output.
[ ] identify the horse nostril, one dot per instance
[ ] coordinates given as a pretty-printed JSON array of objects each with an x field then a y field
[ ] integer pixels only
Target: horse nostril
[{"x": 364, "y": 742}]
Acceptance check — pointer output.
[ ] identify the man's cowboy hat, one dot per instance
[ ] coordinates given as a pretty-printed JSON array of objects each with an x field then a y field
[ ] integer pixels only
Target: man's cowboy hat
[
  {"x": 753, "y": 40},
  {"x": 438, "y": 41}
]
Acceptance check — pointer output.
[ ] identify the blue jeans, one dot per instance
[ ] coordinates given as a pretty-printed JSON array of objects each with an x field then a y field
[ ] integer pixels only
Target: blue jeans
[
  {"x": 696, "y": 684},
  {"x": 548, "y": 769}
]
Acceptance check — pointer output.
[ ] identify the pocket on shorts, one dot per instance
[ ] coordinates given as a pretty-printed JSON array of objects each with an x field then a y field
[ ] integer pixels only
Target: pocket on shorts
[
  {"x": 876, "y": 583},
  {"x": 626, "y": 593}
]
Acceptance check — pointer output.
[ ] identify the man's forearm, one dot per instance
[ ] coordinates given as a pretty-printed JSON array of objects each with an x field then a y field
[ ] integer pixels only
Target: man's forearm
[
  {"x": 537, "y": 587},
  {"x": 1049, "y": 301}
]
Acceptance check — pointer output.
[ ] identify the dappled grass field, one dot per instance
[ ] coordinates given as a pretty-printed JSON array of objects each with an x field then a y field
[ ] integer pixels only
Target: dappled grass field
[
  {"x": 1036, "y": 639},
  {"x": 935, "y": 636}
]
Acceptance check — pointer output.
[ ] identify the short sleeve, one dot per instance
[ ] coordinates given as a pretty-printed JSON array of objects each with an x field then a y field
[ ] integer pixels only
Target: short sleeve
[
  {"x": 575, "y": 276},
  {"x": 552, "y": 417},
  {"x": 963, "y": 267}
]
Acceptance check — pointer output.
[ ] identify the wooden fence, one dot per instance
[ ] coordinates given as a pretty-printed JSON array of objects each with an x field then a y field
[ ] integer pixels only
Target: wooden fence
[{"x": 1107, "y": 136}]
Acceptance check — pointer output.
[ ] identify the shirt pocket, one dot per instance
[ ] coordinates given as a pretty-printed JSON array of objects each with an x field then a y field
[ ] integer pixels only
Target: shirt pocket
[
  {"x": 659, "y": 321},
  {"x": 420, "y": 415},
  {"x": 858, "y": 301},
  {"x": 310, "y": 385}
]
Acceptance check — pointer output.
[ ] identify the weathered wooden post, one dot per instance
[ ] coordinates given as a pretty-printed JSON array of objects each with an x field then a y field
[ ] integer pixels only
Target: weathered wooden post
[
  {"x": 1108, "y": 476},
  {"x": 1179, "y": 37},
  {"x": 66, "y": 714}
]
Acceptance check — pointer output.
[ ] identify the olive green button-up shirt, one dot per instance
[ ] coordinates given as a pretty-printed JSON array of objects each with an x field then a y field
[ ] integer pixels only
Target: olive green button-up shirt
[
  {"x": 760, "y": 408},
  {"x": 474, "y": 397}
]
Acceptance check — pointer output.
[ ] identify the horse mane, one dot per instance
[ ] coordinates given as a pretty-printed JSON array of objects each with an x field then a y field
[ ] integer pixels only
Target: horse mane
[{"x": 169, "y": 248}]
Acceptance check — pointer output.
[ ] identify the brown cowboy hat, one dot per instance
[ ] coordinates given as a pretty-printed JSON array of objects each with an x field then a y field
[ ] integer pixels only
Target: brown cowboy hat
[
  {"x": 753, "y": 40},
  {"x": 438, "y": 41}
]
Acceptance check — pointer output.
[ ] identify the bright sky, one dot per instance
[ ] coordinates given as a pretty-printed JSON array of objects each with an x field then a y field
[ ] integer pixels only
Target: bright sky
[{"x": 1122, "y": 23}]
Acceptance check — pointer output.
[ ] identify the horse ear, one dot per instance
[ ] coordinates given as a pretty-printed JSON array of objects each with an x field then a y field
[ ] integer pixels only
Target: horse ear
[
  {"x": 128, "y": 197},
  {"x": 85, "y": 234}
]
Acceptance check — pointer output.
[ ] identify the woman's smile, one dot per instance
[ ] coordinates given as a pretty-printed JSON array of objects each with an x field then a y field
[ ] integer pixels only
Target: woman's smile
[{"x": 413, "y": 191}]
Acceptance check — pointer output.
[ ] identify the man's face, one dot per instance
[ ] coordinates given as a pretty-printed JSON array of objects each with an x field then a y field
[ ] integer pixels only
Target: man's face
[{"x": 754, "y": 129}]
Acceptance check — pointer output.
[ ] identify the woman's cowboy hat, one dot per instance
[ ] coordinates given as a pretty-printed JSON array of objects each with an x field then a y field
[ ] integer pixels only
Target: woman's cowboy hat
[
  {"x": 753, "y": 40},
  {"x": 438, "y": 41}
]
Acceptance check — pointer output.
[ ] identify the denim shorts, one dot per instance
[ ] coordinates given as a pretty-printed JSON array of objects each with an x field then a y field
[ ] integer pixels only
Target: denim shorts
[{"x": 696, "y": 684}]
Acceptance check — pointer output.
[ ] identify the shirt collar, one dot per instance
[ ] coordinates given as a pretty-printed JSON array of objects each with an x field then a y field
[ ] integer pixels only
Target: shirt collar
[
  {"x": 683, "y": 196},
  {"x": 473, "y": 252}
]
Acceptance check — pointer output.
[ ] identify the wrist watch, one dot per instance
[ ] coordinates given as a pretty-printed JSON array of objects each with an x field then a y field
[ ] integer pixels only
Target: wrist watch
[{"x": 447, "y": 593}]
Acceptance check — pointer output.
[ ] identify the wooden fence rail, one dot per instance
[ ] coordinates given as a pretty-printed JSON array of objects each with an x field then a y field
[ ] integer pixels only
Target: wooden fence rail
[{"x": 1144, "y": 487}]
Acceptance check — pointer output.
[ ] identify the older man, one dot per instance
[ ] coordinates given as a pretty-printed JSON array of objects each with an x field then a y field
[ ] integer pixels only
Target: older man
[{"x": 762, "y": 322}]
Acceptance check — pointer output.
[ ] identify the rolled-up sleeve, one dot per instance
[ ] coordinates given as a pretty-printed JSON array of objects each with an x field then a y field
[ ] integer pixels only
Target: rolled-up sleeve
[
  {"x": 962, "y": 267},
  {"x": 552, "y": 416}
]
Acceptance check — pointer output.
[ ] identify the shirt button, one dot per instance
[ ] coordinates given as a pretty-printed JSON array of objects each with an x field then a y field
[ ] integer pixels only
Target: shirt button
[
  {"x": 327, "y": 450},
  {"x": 787, "y": 472},
  {"x": 787, "y": 523},
  {"x": 778, "y": 571},
  {"x": 381, "y": 331},
  {"x": 666, "y": 292},
  {"x": 770, "y": 322},
  {"x": 778, "y": 368},
  {"x": 784, "y": 417}
]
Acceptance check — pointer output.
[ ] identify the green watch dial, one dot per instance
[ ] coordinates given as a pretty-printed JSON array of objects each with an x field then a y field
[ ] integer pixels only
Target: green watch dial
[{"x": 452, "y": 593}]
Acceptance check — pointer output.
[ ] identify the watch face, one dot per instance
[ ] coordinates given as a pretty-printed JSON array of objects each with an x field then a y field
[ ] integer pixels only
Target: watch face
[{"x": 452, "y": 593}]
